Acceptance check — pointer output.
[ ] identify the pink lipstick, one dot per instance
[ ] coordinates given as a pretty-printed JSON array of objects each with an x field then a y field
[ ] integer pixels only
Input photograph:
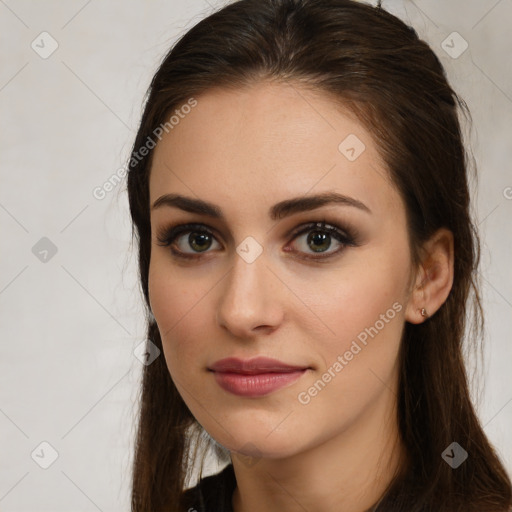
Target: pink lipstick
[{"x": 255, "y": 377}]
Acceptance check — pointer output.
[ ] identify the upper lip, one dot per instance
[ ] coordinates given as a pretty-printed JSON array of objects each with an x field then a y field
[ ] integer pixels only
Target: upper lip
[{"x": 253, "y": 366}]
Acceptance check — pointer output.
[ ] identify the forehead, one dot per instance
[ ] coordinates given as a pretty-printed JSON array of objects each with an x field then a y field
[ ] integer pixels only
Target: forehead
[{"x": 248, "y": 148}]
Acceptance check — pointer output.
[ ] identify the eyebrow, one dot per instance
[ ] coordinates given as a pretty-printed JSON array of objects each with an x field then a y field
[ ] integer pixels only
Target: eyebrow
[{"x": 278, "y": 211}]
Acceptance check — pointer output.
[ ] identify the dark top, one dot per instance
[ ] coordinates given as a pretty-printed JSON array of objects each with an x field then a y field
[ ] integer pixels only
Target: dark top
[{"x": 213, "y": 493}]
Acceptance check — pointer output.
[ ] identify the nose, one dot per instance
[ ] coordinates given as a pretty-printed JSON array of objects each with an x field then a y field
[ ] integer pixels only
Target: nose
[{"x": 249, "y": 304}]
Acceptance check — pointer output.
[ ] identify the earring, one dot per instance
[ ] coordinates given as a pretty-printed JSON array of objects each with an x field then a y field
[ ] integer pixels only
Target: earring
[{"x": 424, "y": 312}]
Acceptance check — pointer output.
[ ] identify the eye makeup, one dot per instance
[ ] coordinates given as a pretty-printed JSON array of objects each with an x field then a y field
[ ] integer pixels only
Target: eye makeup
[{"x": 319, "y": 232}]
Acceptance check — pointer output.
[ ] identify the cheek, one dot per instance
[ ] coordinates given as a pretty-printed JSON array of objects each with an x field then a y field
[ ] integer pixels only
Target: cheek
[
  {"x": 354, "y": 295},
  {"x": 177, "y": 302},
  {"x": 361, "y": 310}
]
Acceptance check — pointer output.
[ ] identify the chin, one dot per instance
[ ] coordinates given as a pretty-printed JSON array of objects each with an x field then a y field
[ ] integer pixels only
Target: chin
[{"x": 256, "y": 443}]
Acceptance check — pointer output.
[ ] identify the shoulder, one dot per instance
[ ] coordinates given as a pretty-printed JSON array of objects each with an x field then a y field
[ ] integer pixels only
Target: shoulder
[{"x": 212, "y": 493}]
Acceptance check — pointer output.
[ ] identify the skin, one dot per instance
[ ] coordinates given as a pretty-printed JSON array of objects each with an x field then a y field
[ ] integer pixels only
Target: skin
[{"x": 244, "y": 151}]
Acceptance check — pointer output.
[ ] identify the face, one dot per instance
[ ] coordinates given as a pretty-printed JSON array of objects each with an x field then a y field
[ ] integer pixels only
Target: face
[{"x": 319, "y": 284}]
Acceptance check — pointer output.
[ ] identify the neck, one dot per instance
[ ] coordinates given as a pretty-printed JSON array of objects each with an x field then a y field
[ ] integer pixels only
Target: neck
[{"x": 347, "y": 473}]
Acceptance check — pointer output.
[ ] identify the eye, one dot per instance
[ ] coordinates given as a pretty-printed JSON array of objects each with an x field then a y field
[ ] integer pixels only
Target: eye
[
  {"x": 320, "y": 239},
  {"x": 199, "y": 239},
  {"x": 314, "y": 247}
]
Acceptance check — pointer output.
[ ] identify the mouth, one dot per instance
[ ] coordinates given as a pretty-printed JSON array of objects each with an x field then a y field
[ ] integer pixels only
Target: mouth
[{"x": 255, "y": 377}]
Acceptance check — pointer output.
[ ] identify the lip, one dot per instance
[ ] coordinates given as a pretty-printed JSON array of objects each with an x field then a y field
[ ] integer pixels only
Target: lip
[{"x": 255, "y": 377}]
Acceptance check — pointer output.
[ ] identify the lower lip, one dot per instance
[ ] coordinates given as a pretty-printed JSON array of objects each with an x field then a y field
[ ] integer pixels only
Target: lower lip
[{"x": 255, "y": 385}]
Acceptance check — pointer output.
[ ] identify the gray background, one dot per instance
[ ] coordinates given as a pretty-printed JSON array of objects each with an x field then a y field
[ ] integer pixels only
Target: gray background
[{"x": 70, "y": 321}]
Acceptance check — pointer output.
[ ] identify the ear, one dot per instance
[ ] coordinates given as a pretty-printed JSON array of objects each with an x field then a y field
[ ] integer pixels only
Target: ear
[{"x": 434, "y": 277}]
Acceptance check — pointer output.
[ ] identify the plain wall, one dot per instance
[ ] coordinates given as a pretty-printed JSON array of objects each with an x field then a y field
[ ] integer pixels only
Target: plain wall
[{"x": 70, "y": 321}]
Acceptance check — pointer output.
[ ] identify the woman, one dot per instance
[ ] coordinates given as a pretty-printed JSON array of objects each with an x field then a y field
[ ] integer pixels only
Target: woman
[{"x": 298, "y": 189}]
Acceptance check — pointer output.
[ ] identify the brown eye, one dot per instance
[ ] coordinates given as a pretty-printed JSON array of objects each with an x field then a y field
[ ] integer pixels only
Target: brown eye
[
  {"x": 315, "y": 246},
  {"x": 318, "y": 240},
  {"x": 199, "y": 241}
]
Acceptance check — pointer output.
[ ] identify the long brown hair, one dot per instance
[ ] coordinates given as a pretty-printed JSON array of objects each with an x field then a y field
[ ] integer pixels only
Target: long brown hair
[{"x": 373, "y": 63}]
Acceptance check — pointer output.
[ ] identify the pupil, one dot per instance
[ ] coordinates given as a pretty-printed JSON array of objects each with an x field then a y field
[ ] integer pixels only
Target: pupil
[
  {"x": 319, "y": 238},
  {"x": 202, "y": 237}
]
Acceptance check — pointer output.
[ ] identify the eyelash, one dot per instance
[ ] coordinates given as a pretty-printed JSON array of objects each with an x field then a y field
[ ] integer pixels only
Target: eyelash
[{"x": 347, "y": 237}]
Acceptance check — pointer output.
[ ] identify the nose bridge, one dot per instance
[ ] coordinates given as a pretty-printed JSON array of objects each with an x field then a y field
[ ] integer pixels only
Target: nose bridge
[{"x": 248, "y": 299}]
